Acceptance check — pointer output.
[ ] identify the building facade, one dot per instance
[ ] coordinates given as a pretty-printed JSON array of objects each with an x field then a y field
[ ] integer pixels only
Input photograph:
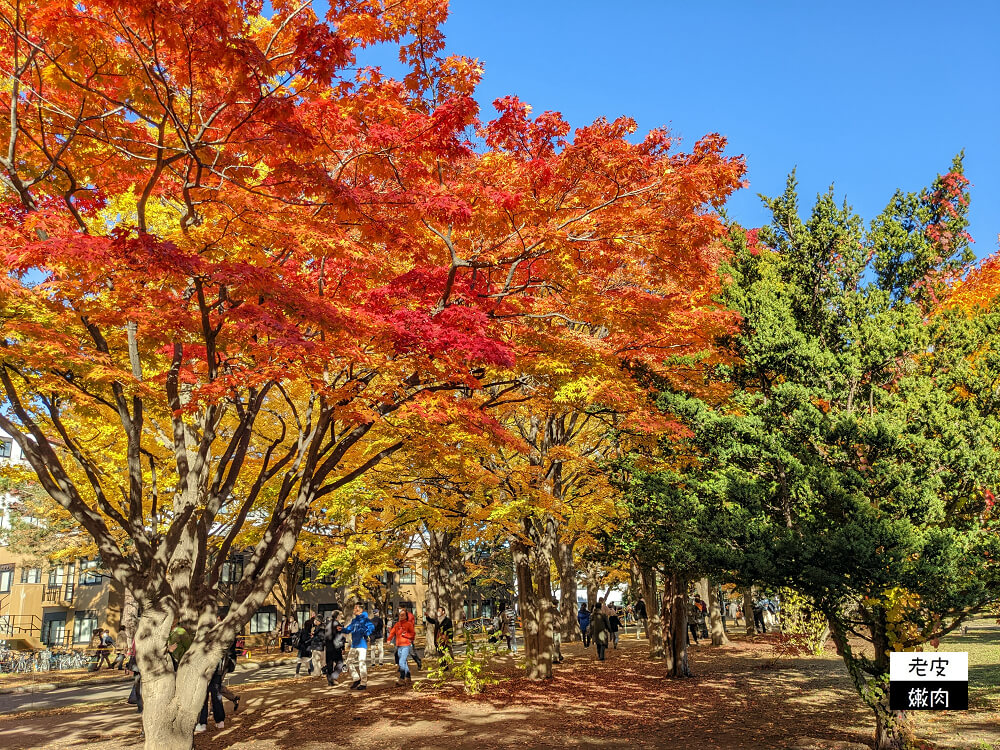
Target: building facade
[{"x": 58, "y": 604}]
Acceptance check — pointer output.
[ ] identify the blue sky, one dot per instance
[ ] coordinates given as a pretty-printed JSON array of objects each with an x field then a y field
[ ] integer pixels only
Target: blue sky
[{"x": 869, "y": 96}]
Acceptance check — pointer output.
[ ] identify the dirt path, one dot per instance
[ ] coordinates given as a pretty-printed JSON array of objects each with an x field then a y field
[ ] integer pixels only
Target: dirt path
[{"x": 741, "y": 697}]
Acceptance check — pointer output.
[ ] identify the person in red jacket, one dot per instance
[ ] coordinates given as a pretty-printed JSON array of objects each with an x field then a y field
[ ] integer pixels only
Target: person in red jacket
[{"x": 403, "y": 634}]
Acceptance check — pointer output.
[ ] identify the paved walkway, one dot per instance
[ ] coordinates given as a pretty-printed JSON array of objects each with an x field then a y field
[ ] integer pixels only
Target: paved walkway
[{"x": 118, "y": 691}]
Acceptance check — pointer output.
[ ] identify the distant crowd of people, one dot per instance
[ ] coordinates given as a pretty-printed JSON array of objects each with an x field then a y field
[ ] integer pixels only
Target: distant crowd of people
[{"x": 330, "y": 645}]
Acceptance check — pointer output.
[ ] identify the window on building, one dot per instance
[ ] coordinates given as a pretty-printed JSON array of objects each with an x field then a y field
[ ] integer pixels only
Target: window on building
[
  {"x": 326, "y": 608},
  {"x": 407, "y": 575},
  {"x": 232, "y": 569},
  {"x": 264, "y": 620},
  {"x": 88, "y": 572},
  {"x": 6, "y": 577},
  {"x": 57, "y": 575},
  {"x": 84, "y": 625},
  {"x": 31, "y": 575},
  {"x": 302, "y": 614},
  {"x": 6, "y": 447}
]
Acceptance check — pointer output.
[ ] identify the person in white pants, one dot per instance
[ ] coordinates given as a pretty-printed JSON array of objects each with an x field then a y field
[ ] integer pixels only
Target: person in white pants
[{"x": 360, "y": 629}]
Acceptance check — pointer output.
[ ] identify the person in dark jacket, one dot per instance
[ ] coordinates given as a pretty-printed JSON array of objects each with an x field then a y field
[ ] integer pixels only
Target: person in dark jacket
[
  {"x": 305, "y": 645},
  {"x": 583, "y": 617},
  {"x": 444, "y": 631},
  {"x": 614, "y": 625},
  {"x": 641, "y": 616},
  {"x": 317, "y": 644},
  {"x": 694, "y": 613},
  {"x": 600, "y": 630},
  {"x": 334, "y": 640},
  {"x": 229, "y": 663}
]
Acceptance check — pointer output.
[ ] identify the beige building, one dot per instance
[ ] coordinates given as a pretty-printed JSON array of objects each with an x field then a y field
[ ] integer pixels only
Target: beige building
[
  {"x": 55, "y": 605},
  {"x": 59, "y": 605}
]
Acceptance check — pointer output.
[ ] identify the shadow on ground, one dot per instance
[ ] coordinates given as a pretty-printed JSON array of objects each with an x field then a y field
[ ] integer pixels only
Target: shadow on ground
[{"x": 740, "y": 697}]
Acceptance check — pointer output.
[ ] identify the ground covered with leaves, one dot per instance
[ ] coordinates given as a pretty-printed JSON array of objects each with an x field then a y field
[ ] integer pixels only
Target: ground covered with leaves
[{"x": 742, "y": 696}]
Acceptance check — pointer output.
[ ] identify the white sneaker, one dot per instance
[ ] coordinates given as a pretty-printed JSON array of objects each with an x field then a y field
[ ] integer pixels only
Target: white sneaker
[
  {"x": 220, "y": 725},
  {"x": 200, "y": 728}
]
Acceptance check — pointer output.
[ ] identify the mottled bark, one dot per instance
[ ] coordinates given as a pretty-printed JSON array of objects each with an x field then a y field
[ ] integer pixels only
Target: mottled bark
[
  {"x": 674, "y": 614},
  {"x": 567, "y": 623},
  {"x": 591, "y": 581},
  {"x": 748, "y": 610},
  {"x": 892, "y": 728},
  {"x": 286, "y": 589},
  {"x": 445, "y": 579},
  {"x": 654, "y": 628},
  {"x": 533, "y": 554},
  {"x": 716, "y": 627}
]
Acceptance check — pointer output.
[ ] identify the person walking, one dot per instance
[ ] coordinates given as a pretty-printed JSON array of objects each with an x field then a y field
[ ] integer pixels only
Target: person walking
[
  {"x": 229, "y": 666},
  {"x": 403, "y": 634},
  {"x": 444, "y": 631},
  {"x": 121, "y": 649},
  {"x": 496, "y": 628},
  {"x": 317, "y": 645},
  {"x": 334, "y": 641},
  {"x": 414, "y": 654},
  {"x": 694, "y": 613},
  {"x": 758, "y": 617},
  {"x": 641, "y": 616},
  {"x": 135, "y": 697},
  {"x": 614, "y": 625},
  {"x": 360, "y": 629},
  {"x": 510, "y": 628},
  {"x": 583, "y": 617},
  {"x": 213, "y": 696},
  {"x": 703, "y": 617},
  {"x": 105, "y": 644},
  {"x": 376, "y": 646},
  {"x": 305, "y": 646},
  {"x": 600, "y": 631}
]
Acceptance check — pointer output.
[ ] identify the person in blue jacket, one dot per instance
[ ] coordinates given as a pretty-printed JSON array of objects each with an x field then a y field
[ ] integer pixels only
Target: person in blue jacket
[
  {"x": 360, "y": 629},
  {"x": 583, "y": 617}
]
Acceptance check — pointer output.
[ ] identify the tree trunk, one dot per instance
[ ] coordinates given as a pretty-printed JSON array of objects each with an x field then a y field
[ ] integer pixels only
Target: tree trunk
[
  {"x": 567, "y": 624},
  {"x": 675, "y": 625},
  {"x": 433, "y": 594},
  {"x": 716, "y": 627},
  {"x": 445, "y": 578},
  {"x": 533, "y": 555},
  {"x": 654, "y": 627},
  {"x": 748, "y": 610},
  {"x": 892, "y": 729},
  {"x": 172, "y": 700},
  {"x": 288, "y": 583},
  {"x": 591, "y": 582}
]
